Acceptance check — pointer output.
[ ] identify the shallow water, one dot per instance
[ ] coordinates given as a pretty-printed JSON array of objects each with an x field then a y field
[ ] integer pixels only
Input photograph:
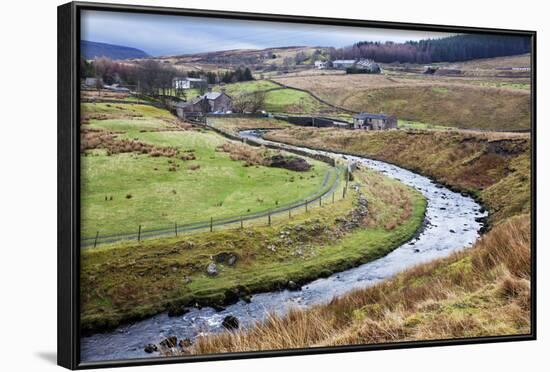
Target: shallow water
[{"x": 450, "y": 226}]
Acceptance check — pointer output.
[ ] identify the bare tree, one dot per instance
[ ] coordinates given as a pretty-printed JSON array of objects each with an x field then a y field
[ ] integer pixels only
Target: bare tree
[
  {"x": 257, "y": 101},
  {"x": 249, "y": 102}
]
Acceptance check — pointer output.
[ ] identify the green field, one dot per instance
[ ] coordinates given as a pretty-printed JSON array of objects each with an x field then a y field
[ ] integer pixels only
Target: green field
[
  {"x": 132, "y": 280},
  {"x": 278, "y": 99},
  {"x": 122, "y": 191}
]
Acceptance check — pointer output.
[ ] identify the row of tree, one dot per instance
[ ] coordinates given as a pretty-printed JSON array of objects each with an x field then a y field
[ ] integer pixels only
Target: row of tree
[
  {"x": 151, "y": 77},
  {"x": 449, "y": 49},
  {"x": 212, "y": 77}
]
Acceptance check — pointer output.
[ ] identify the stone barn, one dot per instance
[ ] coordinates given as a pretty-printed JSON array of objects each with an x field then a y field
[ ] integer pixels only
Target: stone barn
[
  {"x": 219, "y": 102},
  {"x": 365, "y": 120}
]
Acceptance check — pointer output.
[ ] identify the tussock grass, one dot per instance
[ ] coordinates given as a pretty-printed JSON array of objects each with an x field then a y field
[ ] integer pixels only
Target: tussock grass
[
  {"x": 98, "y": 139},
  {"x": 483, "y": 291},
  {"x": 250, "y": 155},
  {"x": 445, "y": 102},
  {"x": 493, "y": 166}
]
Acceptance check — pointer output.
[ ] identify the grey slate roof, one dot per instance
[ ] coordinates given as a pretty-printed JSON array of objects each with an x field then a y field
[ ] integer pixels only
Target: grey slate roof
[
  {"x": 366, "y": 115},
  {"x": 212, "y": 95}
]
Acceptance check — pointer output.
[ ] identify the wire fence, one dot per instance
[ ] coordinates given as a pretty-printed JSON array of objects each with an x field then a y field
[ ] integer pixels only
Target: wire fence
[{"x": 326, "y": 191}]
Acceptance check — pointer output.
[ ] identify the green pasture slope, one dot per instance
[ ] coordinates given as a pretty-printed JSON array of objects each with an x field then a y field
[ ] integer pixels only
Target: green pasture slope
[{"x": 122, "y": 191}]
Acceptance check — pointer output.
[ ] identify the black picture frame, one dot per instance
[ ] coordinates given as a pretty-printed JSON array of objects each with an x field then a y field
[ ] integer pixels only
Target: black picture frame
[{"x": 68, "y": 250}]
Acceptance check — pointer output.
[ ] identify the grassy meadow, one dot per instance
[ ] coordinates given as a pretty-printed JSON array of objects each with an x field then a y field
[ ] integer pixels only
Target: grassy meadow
[
  {"x": 281, "y": 100},
  {"x": 125, "y": 281},
  {"x": 123, "y": 190}
]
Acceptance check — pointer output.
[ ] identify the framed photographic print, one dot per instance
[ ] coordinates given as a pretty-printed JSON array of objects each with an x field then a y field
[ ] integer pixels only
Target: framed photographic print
[{"x": 236, "y": 185}]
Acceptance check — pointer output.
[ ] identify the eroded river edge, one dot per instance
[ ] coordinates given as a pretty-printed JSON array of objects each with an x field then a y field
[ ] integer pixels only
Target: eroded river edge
[{"x": 452, "y": 223}]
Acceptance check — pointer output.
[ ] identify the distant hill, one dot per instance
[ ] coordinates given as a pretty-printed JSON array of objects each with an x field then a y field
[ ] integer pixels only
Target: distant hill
[{"x": 92, "y": 49}]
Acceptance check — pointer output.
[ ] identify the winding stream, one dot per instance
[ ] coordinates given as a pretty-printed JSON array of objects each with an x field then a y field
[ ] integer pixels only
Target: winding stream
[{"x": 450, "y": 226}]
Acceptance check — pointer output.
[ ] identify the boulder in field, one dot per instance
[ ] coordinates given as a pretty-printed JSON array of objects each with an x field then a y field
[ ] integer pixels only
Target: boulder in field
[
  {"x": 293, "y": 163},
  {"x": 212, "y": 269}
]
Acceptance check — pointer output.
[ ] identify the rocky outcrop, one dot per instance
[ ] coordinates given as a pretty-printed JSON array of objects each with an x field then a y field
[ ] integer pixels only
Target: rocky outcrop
[{"x": 292, "y": 163}]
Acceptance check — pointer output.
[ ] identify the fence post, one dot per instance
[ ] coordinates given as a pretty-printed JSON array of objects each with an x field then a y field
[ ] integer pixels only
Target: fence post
[
  {"x": 320, "y": 198},
  {"x": 269, "y": 218},
  {"x": 306, "y": 205},
  {"x": 241, "y": 222},
  {"x": 139, "y": 233},
  {"x": 332, "y": 197},
  {"x": 289, "y": 215},
  {"x": 176, "y": 228},
  {"x": 96, "y": 236},
  {"x": 211, "y": 223}
]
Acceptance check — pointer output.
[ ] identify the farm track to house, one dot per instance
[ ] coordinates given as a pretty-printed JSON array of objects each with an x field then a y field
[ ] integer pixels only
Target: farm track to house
[
  {"x": 451, "y": 224},
  {"x": 220, "y": 222},
  {"x": 319, "y": 99}
]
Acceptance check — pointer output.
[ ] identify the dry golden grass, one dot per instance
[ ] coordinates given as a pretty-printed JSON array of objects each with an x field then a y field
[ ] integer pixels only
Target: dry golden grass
[
  {"x": 250, "y": 155},
  {"x": 430, "y": 100},
  {"x": 523, "y": 60},
  {"x": 483, "y": 291},
  {"x": 91, "y": 139}
]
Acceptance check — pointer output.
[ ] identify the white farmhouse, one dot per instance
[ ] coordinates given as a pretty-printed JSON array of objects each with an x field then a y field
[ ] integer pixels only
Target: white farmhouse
[{"x": 188, "y": 83}]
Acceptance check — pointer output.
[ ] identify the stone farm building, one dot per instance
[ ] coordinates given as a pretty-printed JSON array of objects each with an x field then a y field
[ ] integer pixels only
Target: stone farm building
[
  {"x": 342, "y": 64},
  {"x": 211, "y": 102},
  {"x": 365, "y": 120},
  {"x": 365, "y": 65},
  {"x": 188, "y": 83}
]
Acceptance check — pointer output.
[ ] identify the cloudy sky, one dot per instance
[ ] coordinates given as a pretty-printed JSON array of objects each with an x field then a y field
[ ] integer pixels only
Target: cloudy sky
[{"x": 169, "y": 35}]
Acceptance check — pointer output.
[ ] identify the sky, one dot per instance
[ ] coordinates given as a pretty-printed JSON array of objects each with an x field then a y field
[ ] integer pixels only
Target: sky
[{"x": 164, "y": 35}]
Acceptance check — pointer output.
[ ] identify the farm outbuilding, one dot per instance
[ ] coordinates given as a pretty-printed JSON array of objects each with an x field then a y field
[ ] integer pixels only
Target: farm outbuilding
[
  {"x": 368, "y": 121},
  {"x": 211, "y": 102},
  {"x": 219, "y": 102},
  {"x": 342, "y": 64},
  {"x": 188, "y": 83}
]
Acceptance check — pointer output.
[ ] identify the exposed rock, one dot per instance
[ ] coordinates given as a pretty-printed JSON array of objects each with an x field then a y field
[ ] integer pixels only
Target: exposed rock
[
  {"x": 232, "y": 260},
  {"x": 212, "y": 269},
  {"x": 293, "y": 163},
  {"x": 292, "y": 286},
  {"x": 221, "y": 257},
  {"x": 150, "y": 348},
  {"x": 230, "y": 322},
  {"x": 225, "y": 258},
  {"x": 218, "y": 308},
  {"x": 169, "y": 342},
  {"x": 246, "y": 298},
  {"x": 177, "y": 311},
  {"x": 452, "y": 231}
]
